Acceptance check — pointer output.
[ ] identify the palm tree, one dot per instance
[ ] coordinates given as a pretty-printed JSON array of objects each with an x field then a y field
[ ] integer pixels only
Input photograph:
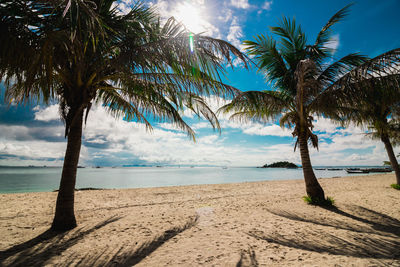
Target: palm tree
[
  {"x": 370, "y": 97},
  {"x": 81, "y": 52},
  {"x": 298, "y": 74}
]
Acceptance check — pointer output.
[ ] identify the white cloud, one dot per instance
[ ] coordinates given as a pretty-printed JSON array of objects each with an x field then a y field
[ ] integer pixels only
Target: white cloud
[
  {"x": 33, "y": 149},
  {"x": 21, "y": 132},
  {"x": 106, "y": 137},
  {"x": 271, "y": 130},
  {"x": 256, "y": 128},
  {"x": 240, "y": 4},
  {"x": 123, "y": 6},
  {"x": 209, "y": 139},
  {"x": 200, "y": 125},
  {"x": 169, "y": 147},
  {"x": 49, "y": 113},
  {"x": 322, "y": 124},
  {"x": 168, "y": 126},
  {"x": 226, "y": 15},
  {"x": 31, "y": 145},
  {"x": 267, "y": 5},
  {"x": 235, "y": 33}
]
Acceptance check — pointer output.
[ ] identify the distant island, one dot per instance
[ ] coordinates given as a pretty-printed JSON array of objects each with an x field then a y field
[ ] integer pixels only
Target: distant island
[{"x": 281, "y": 164}]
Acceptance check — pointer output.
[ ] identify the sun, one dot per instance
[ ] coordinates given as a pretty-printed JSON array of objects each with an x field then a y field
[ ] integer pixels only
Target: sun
[{"x": 190, "y": 16}]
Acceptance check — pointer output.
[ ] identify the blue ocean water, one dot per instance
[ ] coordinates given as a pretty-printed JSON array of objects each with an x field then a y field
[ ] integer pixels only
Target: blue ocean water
[{"x": 41, "y": 179}]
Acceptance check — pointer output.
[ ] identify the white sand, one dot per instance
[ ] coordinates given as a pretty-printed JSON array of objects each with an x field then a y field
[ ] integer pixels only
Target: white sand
[{"x": 245, "y": 224}]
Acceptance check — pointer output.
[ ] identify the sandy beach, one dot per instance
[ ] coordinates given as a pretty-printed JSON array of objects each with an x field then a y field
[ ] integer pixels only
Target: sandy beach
[{"x": 244, "y": 224}]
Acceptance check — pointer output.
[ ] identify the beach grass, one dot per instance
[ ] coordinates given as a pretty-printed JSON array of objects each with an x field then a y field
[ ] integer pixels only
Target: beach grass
[
  {"x": 395, "y": 186},
  {"x": 328, "y": 202}
]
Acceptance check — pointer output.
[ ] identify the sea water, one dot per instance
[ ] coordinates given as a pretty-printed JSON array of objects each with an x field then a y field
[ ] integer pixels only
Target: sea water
[{"x": 42, "y": 179}]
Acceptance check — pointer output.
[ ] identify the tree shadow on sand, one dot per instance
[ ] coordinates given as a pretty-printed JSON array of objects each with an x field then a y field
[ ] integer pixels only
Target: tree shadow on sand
[
  {"x": 369, "y": 234},
  {"x": 372, "y": 222},
  {"x": 127, "y": 255},
  {"x": 37, "y": 251}
]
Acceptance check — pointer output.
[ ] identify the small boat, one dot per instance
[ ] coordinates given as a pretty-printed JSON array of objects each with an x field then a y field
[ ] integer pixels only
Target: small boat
[
  {"x": 334, "y": 169},
  {"x": 356, "y": 170},
  {"x": 320, "y": 169},
  {"x": 379, "y": 170}
]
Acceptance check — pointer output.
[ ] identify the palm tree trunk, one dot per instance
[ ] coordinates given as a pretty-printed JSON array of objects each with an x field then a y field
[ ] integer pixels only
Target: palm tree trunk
[
  {"x": 64, "y": 218},
  {"x": 313, "y": 188},
  {"x": 392, "y": 157}
]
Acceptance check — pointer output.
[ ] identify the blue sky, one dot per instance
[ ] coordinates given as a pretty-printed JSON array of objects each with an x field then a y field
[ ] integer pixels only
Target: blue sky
[{"x": 33, "y": 134}]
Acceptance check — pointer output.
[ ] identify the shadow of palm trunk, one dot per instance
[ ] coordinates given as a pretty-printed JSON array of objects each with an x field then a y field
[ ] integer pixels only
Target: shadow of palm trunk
[
  {"x": 124, "y": 256},
  {"x": 37, "y": 251}
]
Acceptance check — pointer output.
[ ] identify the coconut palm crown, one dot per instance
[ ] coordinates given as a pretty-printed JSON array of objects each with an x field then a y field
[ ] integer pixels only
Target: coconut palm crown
[
  {"x": 298, "y": 73},
  {"x": 370, "y": 97},
  {"x": 82, "y": 52}
]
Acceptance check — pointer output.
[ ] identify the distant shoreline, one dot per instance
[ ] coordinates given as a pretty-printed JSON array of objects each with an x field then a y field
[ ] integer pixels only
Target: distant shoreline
[
  {"x": 94, "y": 188},
  {"x": 189, "y": 166}
]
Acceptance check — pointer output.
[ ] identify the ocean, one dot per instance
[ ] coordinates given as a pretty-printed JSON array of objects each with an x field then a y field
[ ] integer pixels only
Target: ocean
[{"x": 42, "y": 179}]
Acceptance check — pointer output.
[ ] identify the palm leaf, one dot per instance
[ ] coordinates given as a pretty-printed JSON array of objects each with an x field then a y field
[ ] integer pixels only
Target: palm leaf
[
  {"x": 319, "y": 49},
  {"x": 342, "y": 66},
  {"x": 269, "y": 59},
  {"x": 258, "y": 105}
]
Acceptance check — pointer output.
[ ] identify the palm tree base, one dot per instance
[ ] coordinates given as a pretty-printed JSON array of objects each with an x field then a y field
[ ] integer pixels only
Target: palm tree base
[
  {"x": 313, "y": 188},
  {"x": 323, "y": 202},
  {"x": 63, "y": 225}
]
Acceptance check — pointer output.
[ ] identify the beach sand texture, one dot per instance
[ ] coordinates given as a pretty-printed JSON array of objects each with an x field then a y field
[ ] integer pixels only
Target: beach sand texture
[{"x": 244, "y": 224}]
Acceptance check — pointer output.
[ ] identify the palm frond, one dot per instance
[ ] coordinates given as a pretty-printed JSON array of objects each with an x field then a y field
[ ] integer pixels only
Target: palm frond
[
  {"x": 293, "y": 37},
  {"x": 369, "y": 95},
  {"x": 384, "y": 68},
  {"x": 289, "y": 119},
  {"x": 120, "y": 106},
  {"x": 268, "y": 59},
  {"x": 293, "y": 41},
  {"x": 342, "y": 66},
  {"x": 261, "y": 106},
  {"x": 199, "y": 107},
  {"x": 319, "y": 50},
  {"x": 132, "y": 106}
]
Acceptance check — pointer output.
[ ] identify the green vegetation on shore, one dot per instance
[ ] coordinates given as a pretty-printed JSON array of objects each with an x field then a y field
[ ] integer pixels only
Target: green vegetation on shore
[{"x": 281, "y": 164}]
